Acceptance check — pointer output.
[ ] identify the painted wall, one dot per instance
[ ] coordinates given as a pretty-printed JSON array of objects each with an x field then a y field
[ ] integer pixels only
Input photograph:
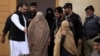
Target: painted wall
[
  {"x": 80, "y": 5},
  {"x": 42, "y": 4}
]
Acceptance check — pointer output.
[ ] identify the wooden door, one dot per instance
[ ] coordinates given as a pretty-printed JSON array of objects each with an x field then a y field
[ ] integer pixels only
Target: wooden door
[{"x": 6, "y": 8}]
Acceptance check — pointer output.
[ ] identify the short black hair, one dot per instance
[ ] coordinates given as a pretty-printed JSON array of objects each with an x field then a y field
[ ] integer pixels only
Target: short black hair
[
  {"x": 97, "y": 40},
  {"x": 68, "y": 5},
  {"x": 33, "y": 4},
  {"x": 58, "y": 9},
  {"x": 21, "y": 5},
  {"x": 89, "y": 8}
]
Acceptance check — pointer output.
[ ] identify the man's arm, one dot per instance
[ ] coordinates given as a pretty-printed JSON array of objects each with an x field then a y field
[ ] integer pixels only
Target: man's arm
[
  {"x": 5, "y": 29},
  {"x": 79, "y": 31},
  {"x": 15, "y": 20}
]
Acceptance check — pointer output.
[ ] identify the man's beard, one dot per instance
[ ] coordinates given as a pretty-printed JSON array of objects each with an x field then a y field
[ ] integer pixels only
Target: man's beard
[{"x": 67, "y": 13}]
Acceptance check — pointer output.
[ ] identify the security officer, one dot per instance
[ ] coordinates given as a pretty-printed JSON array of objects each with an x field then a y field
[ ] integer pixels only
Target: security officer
[
  {"x": 75, "y": 23},
  {"x": 91, "y": 29}
]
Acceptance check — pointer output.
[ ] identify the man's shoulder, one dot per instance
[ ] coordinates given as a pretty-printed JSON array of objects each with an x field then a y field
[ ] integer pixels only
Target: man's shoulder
[
  {"x": 97, "y": 17},
  {"x": 17, "y": 13},
  {"x": 75, "y": 15},
  {"x": 14, "y": 14}
]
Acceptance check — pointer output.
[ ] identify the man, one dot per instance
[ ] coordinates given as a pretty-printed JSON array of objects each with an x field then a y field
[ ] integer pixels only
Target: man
[
  {"x": 91, "y": 29},
  {"x": 17, "y": 32},
  {"x": 7, "y": 27},
  {"x": 75, "y": 23},
  {"x": 32, "y": 11},
  {"x": 96, "y": 52}
]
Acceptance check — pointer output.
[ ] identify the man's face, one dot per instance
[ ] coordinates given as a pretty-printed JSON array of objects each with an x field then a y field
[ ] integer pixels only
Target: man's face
[
  {"x": 67, "y": 11},
  {"x": 33, "y": 8},
  {"x": 89, "y": 12},
  {"x": 97, "y": 46},
  {"x": 24, "y": 9},
  {"x": 57, "y": 15}
]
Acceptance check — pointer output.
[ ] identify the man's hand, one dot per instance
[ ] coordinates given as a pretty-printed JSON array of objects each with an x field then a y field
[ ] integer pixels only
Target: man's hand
[
  {"x": 3, "y": 39},
  {"x": 79, "y": 41},
  {"x": 25, "y": 30},
  {"x": 29, "y": 20},
  {"x": 63, "y": 32}
]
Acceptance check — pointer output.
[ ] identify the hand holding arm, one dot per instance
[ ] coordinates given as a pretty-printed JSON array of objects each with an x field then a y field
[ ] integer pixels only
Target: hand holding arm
[{"x": 15, "y": 20}]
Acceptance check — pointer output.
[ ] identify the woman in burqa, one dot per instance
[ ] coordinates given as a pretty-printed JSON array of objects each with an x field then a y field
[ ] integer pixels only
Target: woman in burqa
[
  {"x": 38, "y": 36},
  {"x": 64, "y": 41},
  {"x": 49, "y": 17}
]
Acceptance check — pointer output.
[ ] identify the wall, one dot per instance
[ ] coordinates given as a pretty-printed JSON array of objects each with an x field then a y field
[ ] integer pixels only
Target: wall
[
  {"x": 42, "y": 4},
  {"x": 80, "y": 5}
]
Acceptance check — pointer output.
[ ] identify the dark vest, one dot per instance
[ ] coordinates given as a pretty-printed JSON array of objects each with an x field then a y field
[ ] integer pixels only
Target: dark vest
[{"x": 15, "y": 33}]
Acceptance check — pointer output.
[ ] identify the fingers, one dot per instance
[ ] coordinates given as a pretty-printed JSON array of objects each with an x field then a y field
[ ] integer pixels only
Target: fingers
[
  {"x": 25, "y": 30},
  {"x": 79, "y": 41},
  {"x": 2, "y": 40},
  {"x": 63, "y": 32}
]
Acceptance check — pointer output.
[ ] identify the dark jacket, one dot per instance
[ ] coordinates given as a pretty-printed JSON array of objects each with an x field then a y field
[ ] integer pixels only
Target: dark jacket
[
  {"x": 76, "y": 26},
  {"x": 91, "y": 26},
  {"x": 7, "y": 25}
]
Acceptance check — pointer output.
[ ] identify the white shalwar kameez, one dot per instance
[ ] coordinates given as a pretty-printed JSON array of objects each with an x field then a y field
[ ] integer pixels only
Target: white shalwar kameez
[{"x": 19, "y": 47}]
